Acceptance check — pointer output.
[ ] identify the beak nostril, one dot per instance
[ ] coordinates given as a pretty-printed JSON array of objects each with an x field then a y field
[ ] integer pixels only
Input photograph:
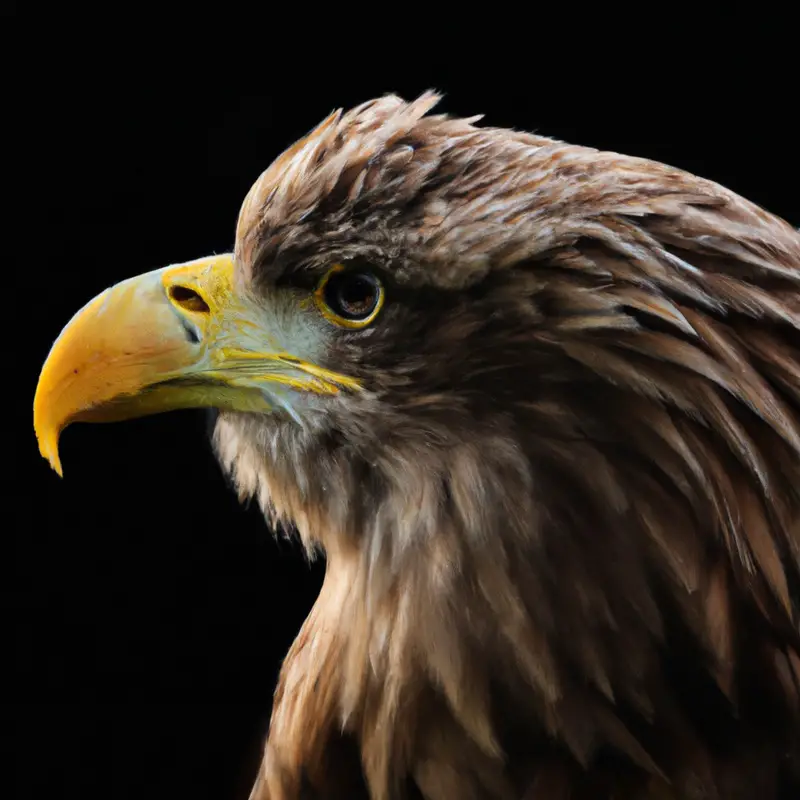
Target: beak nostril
[{"x": 188, "y": 299}]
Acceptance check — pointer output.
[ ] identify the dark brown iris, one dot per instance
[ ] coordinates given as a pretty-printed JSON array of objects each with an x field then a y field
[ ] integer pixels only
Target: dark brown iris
[{"x": 352, "y": 295}]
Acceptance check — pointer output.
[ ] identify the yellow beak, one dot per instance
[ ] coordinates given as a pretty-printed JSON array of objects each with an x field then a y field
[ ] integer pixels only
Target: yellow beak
[{"x": 178, "y": 337}]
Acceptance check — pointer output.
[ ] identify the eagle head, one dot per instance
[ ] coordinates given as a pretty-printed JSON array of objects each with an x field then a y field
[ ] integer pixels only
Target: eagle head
[{"x": 539, "y": 405}]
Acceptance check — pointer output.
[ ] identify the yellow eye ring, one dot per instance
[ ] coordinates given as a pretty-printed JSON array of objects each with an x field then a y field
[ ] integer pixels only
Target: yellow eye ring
[{"x": 349, "y": 298}]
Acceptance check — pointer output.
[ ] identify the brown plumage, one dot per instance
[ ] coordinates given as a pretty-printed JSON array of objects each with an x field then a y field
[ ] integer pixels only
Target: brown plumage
[
  {"x": 562, "y": 519},
  {"x": 563, "y": 529}
]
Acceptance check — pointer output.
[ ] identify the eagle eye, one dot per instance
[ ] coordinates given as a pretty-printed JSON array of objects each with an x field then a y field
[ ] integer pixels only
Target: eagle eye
[{"x": 350, "y": 298}]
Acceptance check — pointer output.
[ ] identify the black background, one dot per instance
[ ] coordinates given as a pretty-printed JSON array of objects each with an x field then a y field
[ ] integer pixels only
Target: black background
[{"x": 150, "y": 611}]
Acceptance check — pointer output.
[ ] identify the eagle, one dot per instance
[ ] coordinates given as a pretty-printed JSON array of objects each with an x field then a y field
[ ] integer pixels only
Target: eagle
[{"x": 538, "y": 405}]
